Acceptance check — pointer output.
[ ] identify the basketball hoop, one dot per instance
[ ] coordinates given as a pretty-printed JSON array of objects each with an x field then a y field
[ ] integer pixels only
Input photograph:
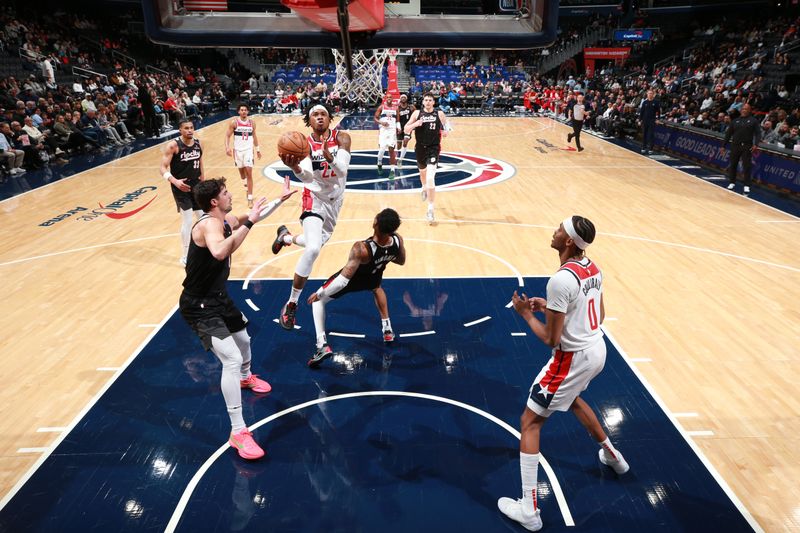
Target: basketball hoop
[{"x": 366, "y": 85}]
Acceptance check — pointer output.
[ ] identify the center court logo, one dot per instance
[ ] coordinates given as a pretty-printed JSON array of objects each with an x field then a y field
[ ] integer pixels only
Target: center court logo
[
  {"x": 456, "y": 172},
  {"x": 112, "y": 210}
]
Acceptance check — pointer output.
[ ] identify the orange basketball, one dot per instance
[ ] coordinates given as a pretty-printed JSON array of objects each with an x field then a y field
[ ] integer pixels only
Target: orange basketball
[{"x": 294, "y": 143}]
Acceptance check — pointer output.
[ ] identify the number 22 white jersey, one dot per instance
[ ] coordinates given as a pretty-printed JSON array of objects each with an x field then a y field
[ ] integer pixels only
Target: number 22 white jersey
[
  {"x": 331, "y": 184},
  {"x": 576, "y": 290}
]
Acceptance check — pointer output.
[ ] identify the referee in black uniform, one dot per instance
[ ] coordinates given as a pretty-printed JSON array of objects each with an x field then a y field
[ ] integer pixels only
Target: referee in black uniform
[
  {"x": 578, "y": 115},
  {"x": 744, "y": 134}
]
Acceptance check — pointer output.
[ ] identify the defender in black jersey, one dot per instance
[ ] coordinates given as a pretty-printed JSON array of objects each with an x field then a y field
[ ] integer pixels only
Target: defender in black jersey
[
  {"x": 182, "y": 167},
  {"x": 430, "y": 125},
  {"x": 206, "y": 306},
  {"x": 363, "y": 272},
  {"x": 404, "y": 111}
]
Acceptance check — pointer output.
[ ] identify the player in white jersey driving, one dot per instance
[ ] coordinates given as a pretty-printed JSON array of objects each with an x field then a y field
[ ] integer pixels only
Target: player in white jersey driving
[
  {"x": 386, "y": 118},
  {"x": 243, "y": 131},
  {"x": 574, "y": 310},
  {"x": 324, "y": 174}
]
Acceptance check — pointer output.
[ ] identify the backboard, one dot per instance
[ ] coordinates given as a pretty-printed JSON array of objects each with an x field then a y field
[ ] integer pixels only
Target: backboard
[{"x": 407, "y": 25}]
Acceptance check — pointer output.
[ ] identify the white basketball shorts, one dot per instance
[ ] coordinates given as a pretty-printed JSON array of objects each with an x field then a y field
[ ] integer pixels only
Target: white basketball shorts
[
  {"x": 564, "y": 378},
  {"x": 243, "y": 158}
]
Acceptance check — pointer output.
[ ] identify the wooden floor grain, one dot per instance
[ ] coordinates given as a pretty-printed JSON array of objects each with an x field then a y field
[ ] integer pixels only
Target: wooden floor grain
[{"x": 701, "y": 284}]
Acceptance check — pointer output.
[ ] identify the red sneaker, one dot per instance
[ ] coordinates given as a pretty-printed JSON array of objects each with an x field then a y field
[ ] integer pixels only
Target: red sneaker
[
  {"x": 287, "y": 317},
  {"x": 278, "y": 243}
]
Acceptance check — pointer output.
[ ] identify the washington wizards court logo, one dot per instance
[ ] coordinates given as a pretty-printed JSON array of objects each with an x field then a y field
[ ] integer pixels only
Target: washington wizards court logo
[{"x": 456, "y": 172}]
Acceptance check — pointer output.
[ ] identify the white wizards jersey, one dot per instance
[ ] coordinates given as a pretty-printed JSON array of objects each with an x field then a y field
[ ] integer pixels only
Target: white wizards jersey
[
  {"x": 331, "y": 185},
  {"x": 389, "y": 118},
  {"x": 243, "y": 135},
  {"x": 576, "y": 290}
]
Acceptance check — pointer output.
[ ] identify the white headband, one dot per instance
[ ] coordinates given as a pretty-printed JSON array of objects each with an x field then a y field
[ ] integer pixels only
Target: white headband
[
  {"x": 318, "y": 107},
  {"x": 570, "y": 229}
]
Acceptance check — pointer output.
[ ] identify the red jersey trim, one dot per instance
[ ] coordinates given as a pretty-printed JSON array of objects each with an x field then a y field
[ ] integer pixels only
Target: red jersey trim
[
  {"x": 332, "y": 141},
  {"x": 580, "y": 271}
]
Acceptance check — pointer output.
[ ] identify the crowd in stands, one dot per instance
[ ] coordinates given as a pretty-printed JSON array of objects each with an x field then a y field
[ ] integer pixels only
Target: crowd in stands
[
  {"x": 42, "y": 120},
  {"x": 719, "y": 78},
  {"x": 109, "y": 105}
]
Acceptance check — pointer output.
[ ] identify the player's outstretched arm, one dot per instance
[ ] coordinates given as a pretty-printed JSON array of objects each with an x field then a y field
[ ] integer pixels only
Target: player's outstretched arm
[
  {"x": 274, "y": 204},
  {"x": 217, "y": 244},
  {"x": 358, "y": 255}
]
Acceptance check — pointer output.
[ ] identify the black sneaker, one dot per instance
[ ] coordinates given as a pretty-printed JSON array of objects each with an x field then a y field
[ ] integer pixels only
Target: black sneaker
[
  {"x": 319, "y": 355},
  {"x": 278, "y": 243},
  {"x": 287, "y": 318}
]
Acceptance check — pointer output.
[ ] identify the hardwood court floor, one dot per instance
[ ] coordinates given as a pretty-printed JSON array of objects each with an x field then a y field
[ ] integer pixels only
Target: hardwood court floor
[{"x": 701, "y": 283}]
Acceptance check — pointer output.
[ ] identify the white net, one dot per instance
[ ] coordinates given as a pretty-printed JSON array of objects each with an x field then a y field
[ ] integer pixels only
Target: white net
[{"x": 366, "y": 86}]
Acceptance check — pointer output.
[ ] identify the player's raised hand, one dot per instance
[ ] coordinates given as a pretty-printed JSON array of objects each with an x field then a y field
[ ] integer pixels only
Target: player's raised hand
[
  {"x": 292, "y": 161},
  {"x": 255, "y": 212},
  {"x": 521, "y": 304},
  {"x": 287, "y": 189}
]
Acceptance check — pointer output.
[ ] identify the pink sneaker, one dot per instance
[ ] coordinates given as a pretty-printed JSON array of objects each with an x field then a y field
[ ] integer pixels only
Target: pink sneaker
[
  {"x": 255, "y": 384},
  {"x": 245, "y": 445}
]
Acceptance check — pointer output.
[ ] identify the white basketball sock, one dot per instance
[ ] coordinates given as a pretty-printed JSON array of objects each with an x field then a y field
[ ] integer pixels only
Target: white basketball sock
[
  {"x": 529, "y": 469},
  {"x": 318, "y": 310},
  {"x": 294, "y": 296},
  {"x": 611, "y": 451}
]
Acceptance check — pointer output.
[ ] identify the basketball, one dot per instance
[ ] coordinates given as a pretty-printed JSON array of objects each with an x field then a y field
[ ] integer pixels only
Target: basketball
[{"x": 293, "y": 143}]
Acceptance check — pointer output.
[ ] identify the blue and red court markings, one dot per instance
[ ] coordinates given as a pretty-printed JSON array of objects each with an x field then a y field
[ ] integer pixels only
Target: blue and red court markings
[{"x": 413, "y": 436}]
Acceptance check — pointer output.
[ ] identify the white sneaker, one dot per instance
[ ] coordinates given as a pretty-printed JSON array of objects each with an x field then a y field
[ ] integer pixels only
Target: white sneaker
[
  {"x": 618, "y": 464},
  {"x": 429, "y": 216},
  {"x": 513, "y": 510},
  {"x": 746, "y": 189},
  {"x": 15, "y": 171},
  {"x": 731, "y": 186}
]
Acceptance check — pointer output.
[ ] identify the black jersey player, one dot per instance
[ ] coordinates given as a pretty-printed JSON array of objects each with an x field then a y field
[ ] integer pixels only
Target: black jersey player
[{"x": 363, "y": 272}]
